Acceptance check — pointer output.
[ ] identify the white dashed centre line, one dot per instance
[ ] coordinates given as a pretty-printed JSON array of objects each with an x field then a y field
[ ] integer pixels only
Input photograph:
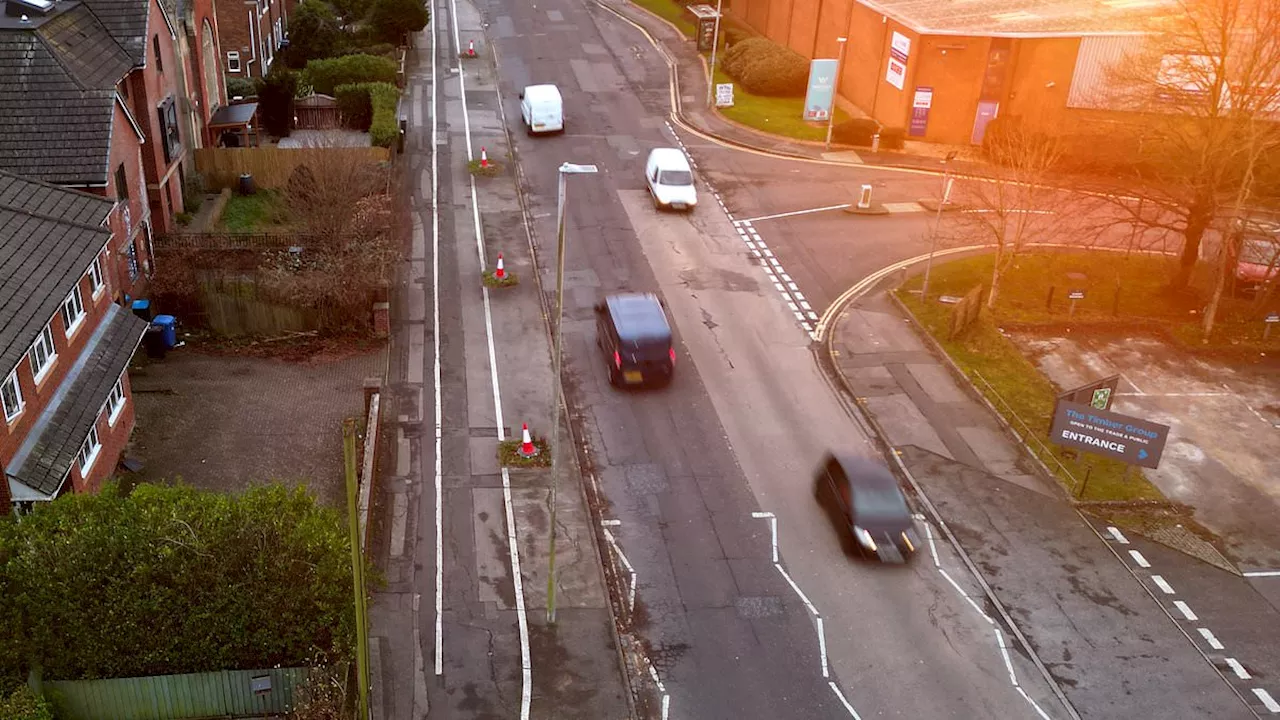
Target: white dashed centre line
[
  {"x": 1237, "y": 668},
  {"x": 1137, "y": 557},
  {"x": 1161, "y": 583},
  {"x": 1267, "y": 700},
  {"x": 1117, "y": 535},
  {"x": 1185, "y": 609},
  {"x": 1209, "y": 638}
]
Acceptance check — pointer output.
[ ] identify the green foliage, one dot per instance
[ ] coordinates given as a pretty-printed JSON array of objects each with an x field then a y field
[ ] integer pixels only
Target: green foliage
[
  {"x": 326, "y": 75},
  {"x": 732, "y": 59},
  {"x": 351, "y": 10},
  {"x": 355, "y": 106},
  {"x": 372, "y": 107},
  {"x": 857, "y": 131},
  {"x": 314, "y": 32},
  {"x": 892, "y": 138},
  {"x": 392, "y": 20},
  {"x": 240, "y": 87},
  {"x": 22, "y": 704},
  {"x": 779, "y": 72},
  {"x": 174, "y": 580},
  {"x": 275, "y": 100}
]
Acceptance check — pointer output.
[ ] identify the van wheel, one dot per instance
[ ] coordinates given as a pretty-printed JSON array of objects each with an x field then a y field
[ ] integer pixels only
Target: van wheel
[
  {"x": 657, "y": 204},
  {"x": 613, "y": 376}
]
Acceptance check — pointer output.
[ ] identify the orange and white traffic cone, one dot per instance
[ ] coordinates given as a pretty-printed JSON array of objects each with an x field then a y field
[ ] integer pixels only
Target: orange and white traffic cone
[
  {"x": 527, "y": 450},
  {"x": 471, "y": 48},
  {"x": 484, "y": 158},
  {"x": 501, "y": 271}
]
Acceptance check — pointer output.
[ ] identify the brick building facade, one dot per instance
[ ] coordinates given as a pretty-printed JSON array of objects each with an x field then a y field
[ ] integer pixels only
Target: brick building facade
[{"x": 251, "y": 33}]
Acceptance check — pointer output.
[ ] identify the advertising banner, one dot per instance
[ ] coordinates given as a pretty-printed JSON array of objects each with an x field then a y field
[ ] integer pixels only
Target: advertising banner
[
  {"x": 822, "y": 90},
  {"x": 920, "y": 105},
  {"x": 899, "y": 50},
  {"x": 1122, "y": 437}
]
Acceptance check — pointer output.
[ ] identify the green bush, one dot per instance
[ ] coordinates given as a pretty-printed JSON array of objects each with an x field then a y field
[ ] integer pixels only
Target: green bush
[
  {"x": 275, "y": 100},
  {"x": 739, "y": 51},
  {"x": 857, "y": 131},
  {"x": 22, "y": 704},
  {"x": 354, "y": 106},
  {"x": 170, "y": 579},
  {"x": 766, "y": 68},
  {"x": 240, "y": 87},
  {"x": 326, "y": 75},
  {"x": 392, "y": 20},
  {"x": 892, "y": 138},
  {"x": 380, "y": 49},
  {"x": 383, "y": 129},
  {"x": 314, "y": 33}
]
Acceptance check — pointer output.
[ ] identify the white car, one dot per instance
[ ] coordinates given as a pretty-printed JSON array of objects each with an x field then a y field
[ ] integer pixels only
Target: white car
[
  {"x": 670, "y": 180},
  {"x": 542, "y": 109}
]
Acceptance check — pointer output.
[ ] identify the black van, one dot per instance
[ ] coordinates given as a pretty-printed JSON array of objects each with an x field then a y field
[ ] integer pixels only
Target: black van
[
  {"x": 633, "y": 332},
  {"x": 868, "y": 507}
]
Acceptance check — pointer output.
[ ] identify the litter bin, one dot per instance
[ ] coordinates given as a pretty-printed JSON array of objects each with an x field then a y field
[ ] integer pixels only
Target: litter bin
[
  {"x": 168, "y": 327},
  {"x": 142, "y": 308},
  {"x": 246, "y": 184},
  {"x": 153, "y": 341}
]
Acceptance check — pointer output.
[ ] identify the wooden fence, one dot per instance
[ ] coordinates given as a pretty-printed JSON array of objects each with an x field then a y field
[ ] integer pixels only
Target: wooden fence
[
  {"x": 223, "y": 694},
  {"x": 271, "y": 167}
]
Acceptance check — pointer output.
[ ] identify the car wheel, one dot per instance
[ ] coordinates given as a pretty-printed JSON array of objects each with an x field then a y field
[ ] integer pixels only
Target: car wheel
[
  {"x": 657, "y": 204},
  {"x": 614, "y": 380}
]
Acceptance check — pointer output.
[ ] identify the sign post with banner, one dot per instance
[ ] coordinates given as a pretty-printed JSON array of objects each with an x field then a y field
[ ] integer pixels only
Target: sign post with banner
[
  {"x": 1121, "y": 437},
  {"x": 724, "y": 94},
  {"x": 707, "y": 26},
  {"x": 819, "y": 100},
  {"x": 899, "y": 50},
  {"x": 1097, "y": 395},
  {"x": 920, "y": 105}
]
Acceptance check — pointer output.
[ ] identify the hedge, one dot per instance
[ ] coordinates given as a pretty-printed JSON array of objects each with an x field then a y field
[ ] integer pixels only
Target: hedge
[
  {"x": 857, "y": 131},
  {"x": 325, "y": 76},
  {"x": 371, "y": 107},
  {"x": 766, "y": 68}
]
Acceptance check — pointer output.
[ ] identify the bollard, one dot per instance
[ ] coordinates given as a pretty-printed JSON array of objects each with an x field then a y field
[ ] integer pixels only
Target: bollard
[
  {"x": 864, "y": 198},
  {"x": 875, "y": 143}
]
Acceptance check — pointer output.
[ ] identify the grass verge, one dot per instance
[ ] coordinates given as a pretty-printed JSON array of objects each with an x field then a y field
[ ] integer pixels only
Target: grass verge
[
  {"x": 671, "y": 12},
  {"x": 509, "y": 456},
  {"x": 493, "y": 169},
  {"x": 493, "y": 281},
  {"x": 775, "y": 115},
  {"x": 258, "y": 212}
]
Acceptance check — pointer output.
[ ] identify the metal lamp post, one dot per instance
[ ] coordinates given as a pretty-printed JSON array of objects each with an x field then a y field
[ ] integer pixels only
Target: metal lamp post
[
  {"x": 715, "y": 45},
  {"x": 566, "y": 170},
  {"x": 835, "y": 87},
  {"x": 933, "y": 246}
]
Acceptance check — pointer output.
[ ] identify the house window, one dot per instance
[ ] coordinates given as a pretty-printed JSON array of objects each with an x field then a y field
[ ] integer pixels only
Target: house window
[
  {"x": 72, "y": 311},
  {"x": 155, "y": 46},
  {"x": 233, "y": 62},
  {"x": 131, "y": 257},
  {"x": 122, "y": 183},
  {"x": 42, "y": 353},
  {"x": 115, "y": 403},
  {"x": 88, "y": 451},
  {"x": 168, "y": 113},
  {"x": 96, "y": 282},
  {"x": 11, "y": 396}
]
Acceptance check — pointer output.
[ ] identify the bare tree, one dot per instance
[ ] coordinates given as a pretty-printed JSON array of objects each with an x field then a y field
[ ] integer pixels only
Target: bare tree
[
  {"x": 1204, "y": 85},
  {"x": 329, "y": 185},
  {"x": 1018, "y": 205}
]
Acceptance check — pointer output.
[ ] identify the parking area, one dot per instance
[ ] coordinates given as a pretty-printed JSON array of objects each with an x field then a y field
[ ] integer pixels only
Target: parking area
[
  {"x": 224, "y": 423},
  {"x": 1224, "y": 442}
]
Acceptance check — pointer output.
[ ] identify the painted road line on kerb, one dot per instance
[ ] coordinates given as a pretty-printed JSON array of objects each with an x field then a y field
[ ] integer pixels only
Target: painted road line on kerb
[{"x": 522, "y": 620}]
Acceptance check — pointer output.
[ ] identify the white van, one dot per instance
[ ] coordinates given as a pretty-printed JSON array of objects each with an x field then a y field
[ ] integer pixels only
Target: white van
[
  {"x": 542, "y": 109},
  {"x": 670, "y": 180}
]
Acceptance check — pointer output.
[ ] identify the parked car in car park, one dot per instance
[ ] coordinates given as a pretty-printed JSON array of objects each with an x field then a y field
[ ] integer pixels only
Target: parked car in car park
[
  {"x": 867, "y": 506},
  {"x": 635, "y": 337},
  {"x": 542, "y": 109},
  {"x": 670, "y": 180}
]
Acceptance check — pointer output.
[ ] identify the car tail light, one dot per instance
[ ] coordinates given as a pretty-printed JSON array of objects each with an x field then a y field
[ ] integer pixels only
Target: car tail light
[
  {"x": 672, "y": 352},
  {"x": 617, "y": 359}
]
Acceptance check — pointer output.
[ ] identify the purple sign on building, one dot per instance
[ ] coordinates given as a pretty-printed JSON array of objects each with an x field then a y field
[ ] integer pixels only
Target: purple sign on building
[{"x": 920, "y": 105}]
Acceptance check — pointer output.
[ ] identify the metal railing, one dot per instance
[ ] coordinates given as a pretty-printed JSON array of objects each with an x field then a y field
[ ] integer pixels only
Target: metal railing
[{"x": 1030, "y": 440}]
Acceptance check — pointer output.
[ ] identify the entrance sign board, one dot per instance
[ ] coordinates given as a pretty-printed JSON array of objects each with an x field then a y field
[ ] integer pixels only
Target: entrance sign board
[{"x": 1121, "y": 437}]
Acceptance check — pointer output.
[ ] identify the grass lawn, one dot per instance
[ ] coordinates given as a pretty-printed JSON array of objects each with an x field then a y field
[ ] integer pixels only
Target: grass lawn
[
  {"x": 262, "y": 211},
  {"x": 780, "y": 116},
  {"x": 671, "y": 12}
]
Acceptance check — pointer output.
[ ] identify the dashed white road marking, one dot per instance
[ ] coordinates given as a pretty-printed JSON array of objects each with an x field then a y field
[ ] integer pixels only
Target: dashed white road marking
[
  {"x": 773, "y": 530},
  {"x": 836, "y": 689},
  {"x": 933, "y": 549},
  {"x": 966, "y": 596},
  {"x": 1267, "y": 700},
  {"x": 631, "y": 590},
  {"x": 1185, "y": 609},
  {"x": 1004, "y": 651},
  {"x": 1117, "y": 535},
  {"x": 822, "y": 648},
  {"x": 1137, "y": 557},
  {"x": 1237, "y": 668},
  {"x": 1163, "y": 584},
  {"x": 1210, "y": 638},
  {"x": 1262, "y": 573}
]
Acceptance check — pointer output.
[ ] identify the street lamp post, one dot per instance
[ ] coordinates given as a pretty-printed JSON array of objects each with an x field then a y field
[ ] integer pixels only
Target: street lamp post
[
  {"x": 933, "y": 246},
  {"x": 835, "y": 86},
  {"x": 715, "y": 45},
  {"x": 566, "y": 170}
]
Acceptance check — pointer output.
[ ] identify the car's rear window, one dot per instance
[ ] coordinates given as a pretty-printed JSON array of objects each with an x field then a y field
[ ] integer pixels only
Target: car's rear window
[{"x": 648, "y": 348}]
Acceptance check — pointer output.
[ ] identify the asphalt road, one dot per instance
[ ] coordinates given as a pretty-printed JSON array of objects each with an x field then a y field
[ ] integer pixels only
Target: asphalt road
[{"x": 686, "y": 469}]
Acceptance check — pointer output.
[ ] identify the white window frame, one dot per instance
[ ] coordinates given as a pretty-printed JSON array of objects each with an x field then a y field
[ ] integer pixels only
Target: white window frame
[
  {"x": 233, "y": 61},
  {"x": 14, "y": 388},
  {"x": 97, "y": 282},
  {"x": 75, "y": 301},
  {"x": 115, "y": 402},
  {"x": 90, "y": 449},
  {"x": 44, "y": 342}
]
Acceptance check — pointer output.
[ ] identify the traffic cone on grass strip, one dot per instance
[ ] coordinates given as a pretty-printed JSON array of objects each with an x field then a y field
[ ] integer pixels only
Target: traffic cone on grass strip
[
  {"x": 527, "y": 450},
  {"x": 471, "y": 48},
  {"x": 500, "y": 272},
  {"x": 484, "y": 158}
]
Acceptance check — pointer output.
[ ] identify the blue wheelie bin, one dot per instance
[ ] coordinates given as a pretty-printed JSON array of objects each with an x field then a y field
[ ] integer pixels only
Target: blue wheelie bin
[{"x": 168, "y": 327}]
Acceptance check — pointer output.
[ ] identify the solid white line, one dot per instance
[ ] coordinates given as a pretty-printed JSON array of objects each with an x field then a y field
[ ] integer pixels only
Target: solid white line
[
  {"x": 653, "y": 673},
  {"x": 1237, "y": 668},
  {"x": 631, "y": 591},
  {"x": 933, "y": 549},
  {"x": 1137, "y": 557},
  {"x": 1034, "y": 704},
  {"x": 1004, "y": 651},
  {"x": 1209, "y": 638},
  {"x": 608, "y": 523},
  {"x": 761, "y": 514},
  {"x": 836, "y": 689},
  {"x": 1162, "y": 584},
  {"x": 1262, "y": 573},
  {"x": 1185, "y": 609},
  {"x": 965, "y": 595},
  {"x": 1267, "y": 700},
  {"x": 796, "y": 587},
  {"x": 526, "y": 663},
  {"x": 798, "y": 212},
  {"x": 822, "y": 649},
  {"x": 1119, "y": 536},
  {"x": 435, "y": 308},
  {"x": 462, "y": 82},
  {"x": 666, "y": 706}
]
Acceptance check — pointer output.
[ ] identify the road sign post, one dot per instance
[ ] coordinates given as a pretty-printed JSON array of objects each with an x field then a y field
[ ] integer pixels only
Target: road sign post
[
  {"x": 1073, "y": 296},
  {"x": 1271, "y": 320}
]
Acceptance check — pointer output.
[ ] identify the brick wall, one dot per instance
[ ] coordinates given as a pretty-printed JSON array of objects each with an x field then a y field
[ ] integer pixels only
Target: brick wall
[
  {"x": 127, "y": 218},
  {"x": 114, "y": 437},
  {"x": 233, "y": 36}
]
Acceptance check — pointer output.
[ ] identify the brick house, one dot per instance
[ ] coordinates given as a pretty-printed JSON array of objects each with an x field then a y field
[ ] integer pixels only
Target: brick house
[
  {"x": 202, "y": 90},
  {"x": 252, "y": 32},
  {"x": 64, "y": 346},
  {"x": 88, "y": 100}
]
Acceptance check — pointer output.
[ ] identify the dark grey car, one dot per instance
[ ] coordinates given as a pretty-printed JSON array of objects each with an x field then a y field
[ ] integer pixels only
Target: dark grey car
[
  {"x": 633, "y": 332},
  {"x": 867, "y": 506}
]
